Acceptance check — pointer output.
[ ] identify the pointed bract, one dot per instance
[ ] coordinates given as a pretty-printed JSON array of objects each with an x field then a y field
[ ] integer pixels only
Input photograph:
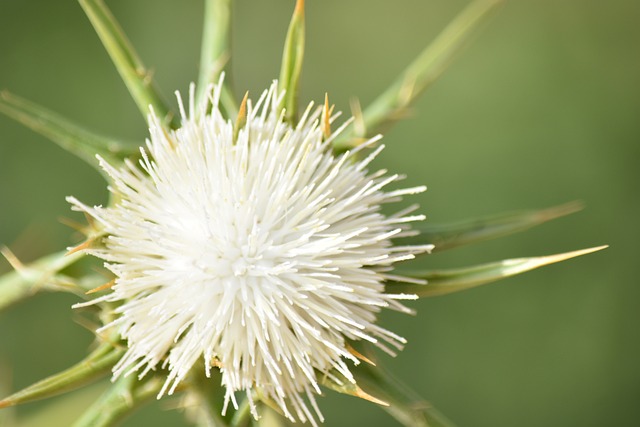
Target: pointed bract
[
  {"x": 471, "y": 231},
  {"x": 63, "y": 132},
  {"x": 215, "y": 53},
  {"x": 98, "y": 364},
  {"x": 441, "y": 282},
  {"x": 38, "y": 276},
  {"x": 292, "y": 59},
  {"x": 120, "y": 400}
]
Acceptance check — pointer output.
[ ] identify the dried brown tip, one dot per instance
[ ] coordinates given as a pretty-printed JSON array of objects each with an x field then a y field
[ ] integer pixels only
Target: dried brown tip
[
  {"x": 82, "y": 246},
  {"x": 299, "y": 10},
  {"x": 90, "y": 220},
  {"x": 107, "y": 285},
  {"x": 359, "y": 355},
  {"x": 366, "y": 396},
  {"x": 359, "y": 128},
  {"x": 241, "y": 120},
  {"x": 72, "y": 224},
  {"x": 326, "y": 117},
  {"x": 12, "y": 259}
]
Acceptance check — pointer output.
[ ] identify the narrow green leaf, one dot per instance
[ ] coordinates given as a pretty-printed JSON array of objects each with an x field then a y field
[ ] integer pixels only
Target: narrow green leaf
[
  {"x": 393, "y": 103},
  {"x": 404, "y": 404},
  {"x": 66, "y": 134},
  {"x": 447, "y": 281},
  {"x": 377, "y": 385},
  {"x": 123, "y": 398},
  {"x": 95, "y": 366},
  {"x": 64, "y": 409},
  {"x": 453, "y": 235},
  {"x": 215, "y": 53},
  {"x": 292, "y": 58},
  {"x": 337, "y": 382},
  {"x": 138, "y": 79},
  {"x": 41, "y": 275}
]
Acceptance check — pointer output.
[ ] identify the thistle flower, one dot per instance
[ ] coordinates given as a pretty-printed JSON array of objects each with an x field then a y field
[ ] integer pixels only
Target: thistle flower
[
  {"x": 252, "y": 250},
  {"x": 261, "y": 254}
]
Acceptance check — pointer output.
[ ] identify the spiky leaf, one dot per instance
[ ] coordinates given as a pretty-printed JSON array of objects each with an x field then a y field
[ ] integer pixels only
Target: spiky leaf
[
  {"x": 377, "y": 385},
  {"x": 41, "y": 275},
  {"x": 393, "y": 103},
  {"x": 123, "y": 398},
  {"x": 441, "y": 282},
  {"x": 136, "y": 77},
  {"x": 63, "y": 132},
  {"x": 95, "y": 366},
  {"x": 467, "y": 232},
  {"x": 292, "y": 58},
  {"x": 215, "y": 53}
]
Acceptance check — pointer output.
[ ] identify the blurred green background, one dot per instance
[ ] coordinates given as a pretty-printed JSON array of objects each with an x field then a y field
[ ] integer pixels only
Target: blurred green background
[{"x": 542, "y": 108}]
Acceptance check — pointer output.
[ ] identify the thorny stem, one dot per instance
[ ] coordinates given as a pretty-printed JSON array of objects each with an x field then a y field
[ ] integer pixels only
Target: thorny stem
[
  {"x": 138, "y": 79},
  {"x": 215, "y": 52},
  {"x": 393, "y": 103}
]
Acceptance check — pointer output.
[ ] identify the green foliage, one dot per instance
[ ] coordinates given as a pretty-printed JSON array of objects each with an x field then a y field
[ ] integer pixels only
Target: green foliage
[
  {"x": 292, "y": 57},
  {"x": 138, "y": 79},
  {"x": 441, "y": 282},
  {"x": 68, "y": 135},
  {"x": 42, "y": 275},
  {"x": 95, "y": 366},
  {"x": 123, "y": 398},
  {"x": 392, "y": 105},
  {"x": 476, "y": 230}
]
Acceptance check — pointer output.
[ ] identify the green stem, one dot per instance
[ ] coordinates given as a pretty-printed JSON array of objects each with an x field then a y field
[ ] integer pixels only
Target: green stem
[
  {"x": 95, "y": 366},
  {"x": 68, "y": 135},
  {"x": 215, "y": 53},
  {"x": 123, "y": 398},
  {"x": 41, "y": 275},
  {"x": 138, "y": 79},
  {"x": 392, "y": 104},
  {"x": 292, "y": 58}
]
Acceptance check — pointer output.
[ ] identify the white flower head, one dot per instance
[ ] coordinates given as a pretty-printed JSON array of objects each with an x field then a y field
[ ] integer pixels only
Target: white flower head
[{"x": 258, "y": 253}]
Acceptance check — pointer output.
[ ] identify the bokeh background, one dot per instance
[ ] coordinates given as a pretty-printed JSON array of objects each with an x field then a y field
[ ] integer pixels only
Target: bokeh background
[{"x": 542, "y": 108}]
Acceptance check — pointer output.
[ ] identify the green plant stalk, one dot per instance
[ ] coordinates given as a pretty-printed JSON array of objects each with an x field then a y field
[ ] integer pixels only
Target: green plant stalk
[
  {"x": 93, "y": 367},
  {"x": 215, "y": 53},
  {"x": 123, "y": 398},
  {"x": 37, "y": 276},
  {"x": 136, "y": 77},
  {"x": 63, "y": 132},
  {"x": 292, "y": 59},
  {"x": 393, "y": 103}
]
